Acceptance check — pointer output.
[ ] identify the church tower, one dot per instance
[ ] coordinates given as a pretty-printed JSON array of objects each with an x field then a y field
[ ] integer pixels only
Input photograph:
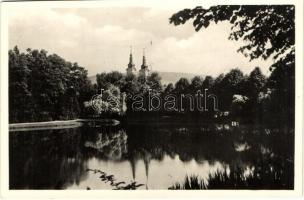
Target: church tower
[
  {"x": 131, "y": 66},
  {"x": 144, "y": 71}
]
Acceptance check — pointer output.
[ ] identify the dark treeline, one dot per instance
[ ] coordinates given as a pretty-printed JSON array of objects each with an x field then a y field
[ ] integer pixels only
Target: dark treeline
[
  {"x": 45, "y": 87},
  {"x": 252, "y": 98}
]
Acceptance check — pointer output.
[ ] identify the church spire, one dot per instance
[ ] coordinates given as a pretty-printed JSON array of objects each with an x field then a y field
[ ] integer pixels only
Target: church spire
[
  {"x": 131, "y": 64},
  {"x": 144, "y": 64}
]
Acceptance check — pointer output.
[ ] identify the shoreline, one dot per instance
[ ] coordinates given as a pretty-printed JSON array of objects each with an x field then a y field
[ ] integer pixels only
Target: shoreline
[
  {"x": 27, "y": 126},
  {"x": 75, "y": 123},
  {"x": 57, "y": 124}
]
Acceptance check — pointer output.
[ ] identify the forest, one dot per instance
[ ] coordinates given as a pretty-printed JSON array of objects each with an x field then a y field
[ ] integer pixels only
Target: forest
[{"x": 46, "y": 87}]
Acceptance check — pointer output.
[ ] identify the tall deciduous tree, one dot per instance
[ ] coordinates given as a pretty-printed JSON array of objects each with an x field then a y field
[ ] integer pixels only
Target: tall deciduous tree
[
  {"x": 196, "y": 83},
  {"x": 226, "y": 86},
  {"x": 45, "y": 87},
  {"x": 268, "y": 32},
  {"x": 114, "y": 78},
  {"x": 256, "y": 82},
  {"x": 20, "y": 103},
  {"x": 154, "y": 81},
  {"x": 182, "y": 86},
  {"x": 208, "y": 82},
  {"x": 169, "y": 89}
]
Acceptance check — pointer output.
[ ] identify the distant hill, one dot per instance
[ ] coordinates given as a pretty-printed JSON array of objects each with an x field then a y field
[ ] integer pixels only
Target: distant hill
[
  {"x": 92, "y": 79},
  {"x": 167, "y": 77},
  {"x": 173, "y": 77}
]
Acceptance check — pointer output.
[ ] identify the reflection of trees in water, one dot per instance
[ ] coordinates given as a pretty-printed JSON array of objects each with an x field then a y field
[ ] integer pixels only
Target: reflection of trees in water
[
  {"x": 45, "y": 159},
  {"x": 57, "y": 158},
  {"x": 109, "y": 145},
  {"x": 273, "y": 153},
  {"x": 270, "y": 154},
  {"x": 237, "y": 178},
  {"x": 199, "y": 143},
  {"x": 188, "y": 143}
]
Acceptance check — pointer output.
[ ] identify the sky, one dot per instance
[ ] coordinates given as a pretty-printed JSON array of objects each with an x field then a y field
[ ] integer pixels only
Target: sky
[{"x": 99, "y": 39}]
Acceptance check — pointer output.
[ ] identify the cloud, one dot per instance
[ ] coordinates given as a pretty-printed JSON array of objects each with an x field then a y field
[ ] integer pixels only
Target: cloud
[
  {"x": 207, "y": 52},
  {"x": 99, "y": 39}
]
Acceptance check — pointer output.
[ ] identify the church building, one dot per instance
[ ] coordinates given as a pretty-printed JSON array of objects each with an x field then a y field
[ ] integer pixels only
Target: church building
[
  {"x": 131, "y": 66},
  {"x": 144, "y": 71},
  {"x": 131, "y": 69}
]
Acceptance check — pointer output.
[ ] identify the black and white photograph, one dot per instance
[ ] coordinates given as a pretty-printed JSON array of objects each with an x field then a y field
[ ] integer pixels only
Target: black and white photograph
[{"x": 146, "y": 96}]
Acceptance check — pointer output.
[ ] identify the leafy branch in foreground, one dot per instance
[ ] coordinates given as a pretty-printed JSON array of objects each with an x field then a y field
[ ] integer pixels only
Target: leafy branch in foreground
[
  {"x": 268, "y": 29},
  {"x": 268, "y": 32},
  {"x": 117, "y": 185}
]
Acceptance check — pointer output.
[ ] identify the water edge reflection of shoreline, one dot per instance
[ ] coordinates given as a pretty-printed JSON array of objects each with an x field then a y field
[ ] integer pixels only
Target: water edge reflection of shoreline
[{"x": 58, "y": 159}]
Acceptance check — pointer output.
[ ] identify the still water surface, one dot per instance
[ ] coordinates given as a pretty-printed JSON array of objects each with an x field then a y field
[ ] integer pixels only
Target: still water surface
[{"x": 156, "y": 156}]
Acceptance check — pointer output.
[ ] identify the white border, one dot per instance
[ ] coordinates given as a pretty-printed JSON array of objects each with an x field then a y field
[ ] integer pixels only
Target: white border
[{"x": 4, "y": 192}]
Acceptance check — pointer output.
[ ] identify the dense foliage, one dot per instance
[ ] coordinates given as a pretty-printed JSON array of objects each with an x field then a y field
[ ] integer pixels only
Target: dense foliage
[
  {"x": 45, "y": 87},
  {"x": 245, "y": 97},
  {"x": 269, "y": 33},
  {"x": 269, "y": 30}
]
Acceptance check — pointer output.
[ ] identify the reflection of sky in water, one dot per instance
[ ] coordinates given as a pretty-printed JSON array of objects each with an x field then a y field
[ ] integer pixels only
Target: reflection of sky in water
[
  {"x": 156, "y": 156},
  {"x": 161, "y": 174}
]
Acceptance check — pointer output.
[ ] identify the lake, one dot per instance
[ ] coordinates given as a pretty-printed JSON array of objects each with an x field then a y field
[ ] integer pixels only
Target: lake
[{"x": 157, "y": 156}]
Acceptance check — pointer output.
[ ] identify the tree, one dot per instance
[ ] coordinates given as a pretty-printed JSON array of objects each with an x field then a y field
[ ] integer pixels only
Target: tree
[
  {"x": 218, "y": 81},
  {"x": 130, "y": 77},
  {"x": 169, "y": 89},
  {"x": 114, "y": 78},
  {"x": 108, "y": 102},
  {"x": 45, "y": 82},
  {"x": 182, "y": 85},
  {"x": 269, "y": 32},
  {"x": 208, "y": 82},
  {"x": 45, "y": 87},
  {"x": 154, "y": 81},
  {"x": 131, "y": 86},
  {"x": 101, "y": 81},
  {"x": 252, "y": 87},
  {"x": 256, "y": 82},
  {"x": 196, "y": 83},
  {"x": 232, "y": 80},
  {"x": 142, "y": 79},
  {"x": 282, "y": 85},
  {"x": 19, "y": 91},
  {"x": 268, "y": 29},
  {"x": 229, "y": 86}
]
